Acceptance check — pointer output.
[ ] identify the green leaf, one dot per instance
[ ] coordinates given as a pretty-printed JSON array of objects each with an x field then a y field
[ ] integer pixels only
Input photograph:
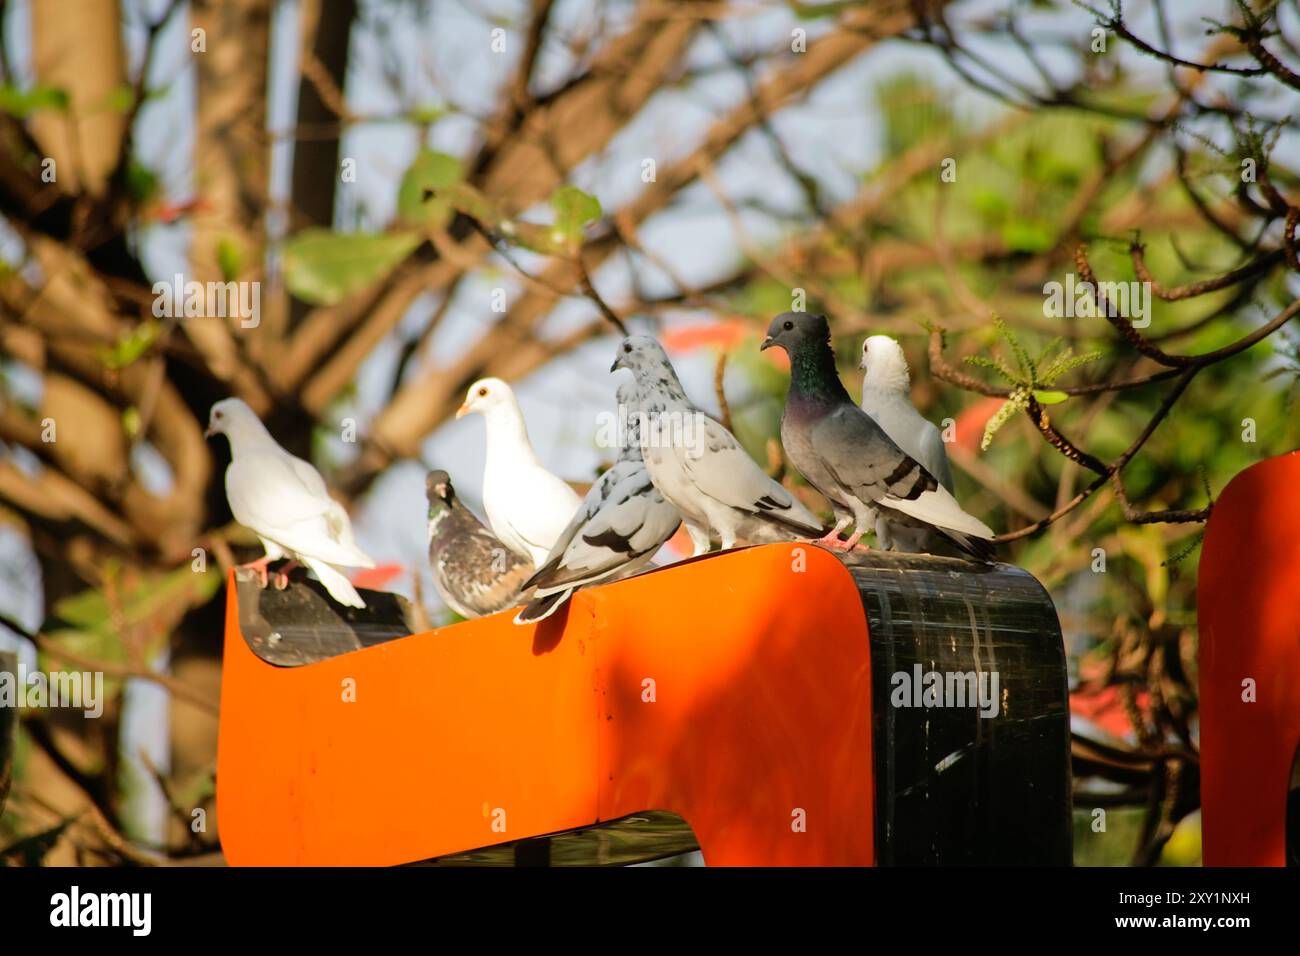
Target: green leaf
[
  {"x": 1000, "y": 418},
  {"x": 1049, "y": 348},
  {"x": 146, "y": 606},
  {"x": 142, "y": 183},
  {"x": 573, "y": 210},
  {"x": 431, "y": 172},
  {"x": 1026, "y": 236},
  {"x": 427, "y": 114},
  {"x": 1066, "y": 362},
  {"x": 1049, "y": 398},
  {"x": 995, "y": 365},
  {"x": 131, "y": 345},
  {"x": 323, "y": 267},
  {"x": 990, "y": 203},
  {"x": 131, "y": 422},
  {"x": 23, "y": 103},
  {"x": 230, "y": 258},
  {"x": 464, "y": 198},
  {"x": 120, "y": 99},
  {"x": 1022, "y": 357},
  {"x": 911, "y": 111}
]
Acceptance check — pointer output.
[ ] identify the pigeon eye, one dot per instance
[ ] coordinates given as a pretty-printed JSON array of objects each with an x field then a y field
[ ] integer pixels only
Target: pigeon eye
[
  {"x": 789, "y": 326},
  {"x": 482, "y": 392},
  {"x": 627, "y": 348}
]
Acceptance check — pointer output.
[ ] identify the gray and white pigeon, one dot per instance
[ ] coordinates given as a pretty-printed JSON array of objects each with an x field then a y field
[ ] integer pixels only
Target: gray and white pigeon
[
  {"x": 886, "y": 397},
  {"x": 527, "y": 507},
  {"x": 623, "y": 521},
  {"x": 699, "y": 467},
  {"x": 474, "y": 573},
  {"x": 846, "y": 456},
  {"x": 282, "y": 499}
]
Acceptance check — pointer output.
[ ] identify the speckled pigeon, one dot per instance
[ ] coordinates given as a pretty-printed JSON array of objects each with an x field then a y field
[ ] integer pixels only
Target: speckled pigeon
[
  {"x": 623, "y": 521},
  {"x": 700, "y": 467},
  {"x": 475, "y": 573}
]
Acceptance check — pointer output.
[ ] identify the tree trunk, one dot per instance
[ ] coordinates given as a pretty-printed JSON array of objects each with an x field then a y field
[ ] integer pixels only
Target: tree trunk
[{"x": 77, "y": 47}]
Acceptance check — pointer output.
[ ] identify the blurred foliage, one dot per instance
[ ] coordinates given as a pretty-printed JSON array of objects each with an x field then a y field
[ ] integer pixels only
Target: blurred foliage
[
  {"x": 325, "y": 267},
  {"x": 131, "y": 616},
  {"x": 1015, "y": 203}
]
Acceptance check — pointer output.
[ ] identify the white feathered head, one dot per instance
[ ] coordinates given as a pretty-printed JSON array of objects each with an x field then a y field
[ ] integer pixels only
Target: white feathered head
[{"x": 885, "y": 365}]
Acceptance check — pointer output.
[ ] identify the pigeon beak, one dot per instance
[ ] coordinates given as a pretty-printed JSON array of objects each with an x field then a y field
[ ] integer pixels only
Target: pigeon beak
[
  {"x": 618, "y": 364},
  {"x": 463, "y": 410},
  {"x": 208, "y": 432},
  {"x": 767, "y": 344}
]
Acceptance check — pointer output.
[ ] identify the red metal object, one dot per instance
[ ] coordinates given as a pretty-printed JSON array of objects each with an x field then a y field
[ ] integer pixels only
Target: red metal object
[
  {"x": 1249, "y": 614},
  {"x": 706, "y": 689}
]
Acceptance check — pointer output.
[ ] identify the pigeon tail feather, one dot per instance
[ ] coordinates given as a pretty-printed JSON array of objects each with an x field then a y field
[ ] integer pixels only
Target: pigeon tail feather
[
  {"x": 791, "y": 525},
  {"x": 978, "y": 548},
  {"x": 542, "y": 608},
  {"x": 336, "y": 583},
  {"x": 939, "y": 508}
]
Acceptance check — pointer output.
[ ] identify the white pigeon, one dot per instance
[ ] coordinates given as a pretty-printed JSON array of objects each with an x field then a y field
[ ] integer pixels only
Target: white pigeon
[
  {"x": 282, "y": 499},
  {"x": 886, "y": 397},
  {"x": 527, "y": 507},
  {"x": 622, "y": 523},
  {"x": 700, "y": 467}
]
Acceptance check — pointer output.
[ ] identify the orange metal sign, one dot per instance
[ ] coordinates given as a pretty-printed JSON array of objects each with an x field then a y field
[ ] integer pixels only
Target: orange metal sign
[
  {"x": 733, "y": 690},
  {"x": 1249, "y": 615}
]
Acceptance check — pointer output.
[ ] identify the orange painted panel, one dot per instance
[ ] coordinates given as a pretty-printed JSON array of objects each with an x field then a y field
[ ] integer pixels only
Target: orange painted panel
[
  {"x": 759, "y": 733},
  {"x": 1248, "y": 595}
]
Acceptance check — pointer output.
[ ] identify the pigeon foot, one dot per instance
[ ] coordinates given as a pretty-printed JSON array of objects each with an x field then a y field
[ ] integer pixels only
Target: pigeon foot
[
  {"x": 831, "y": 540},
  {"x": 852, "y": 543},
  {"x": 282, "y": 576},
  {"x": 259, "y": 566}
]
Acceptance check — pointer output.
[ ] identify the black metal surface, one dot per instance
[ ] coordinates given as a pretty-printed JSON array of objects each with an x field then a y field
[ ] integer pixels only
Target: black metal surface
[
  {"x": 639, "y": 838},
  {"x": 953, "y": 787},
  {"x": 301, "y": 624}
]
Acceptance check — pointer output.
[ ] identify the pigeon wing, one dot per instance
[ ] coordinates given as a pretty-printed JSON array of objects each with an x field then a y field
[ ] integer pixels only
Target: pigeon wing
[
  {"x": 466, "y": 574},
  {"x": 287, "y": 503},
  {"x": 634, "y": 521},
  {"x": 934, "y": 454},
  {"x": 868, "y": 465},
  {"x": 600, "y": 493},
  {"x": 721, "y": 469}
]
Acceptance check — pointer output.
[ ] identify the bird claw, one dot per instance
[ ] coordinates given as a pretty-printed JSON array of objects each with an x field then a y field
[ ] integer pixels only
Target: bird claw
[
  {"x": 259, "y": 567},
  {"x": 282, "y": 576},
  {"x": 831, "y": 540}
]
